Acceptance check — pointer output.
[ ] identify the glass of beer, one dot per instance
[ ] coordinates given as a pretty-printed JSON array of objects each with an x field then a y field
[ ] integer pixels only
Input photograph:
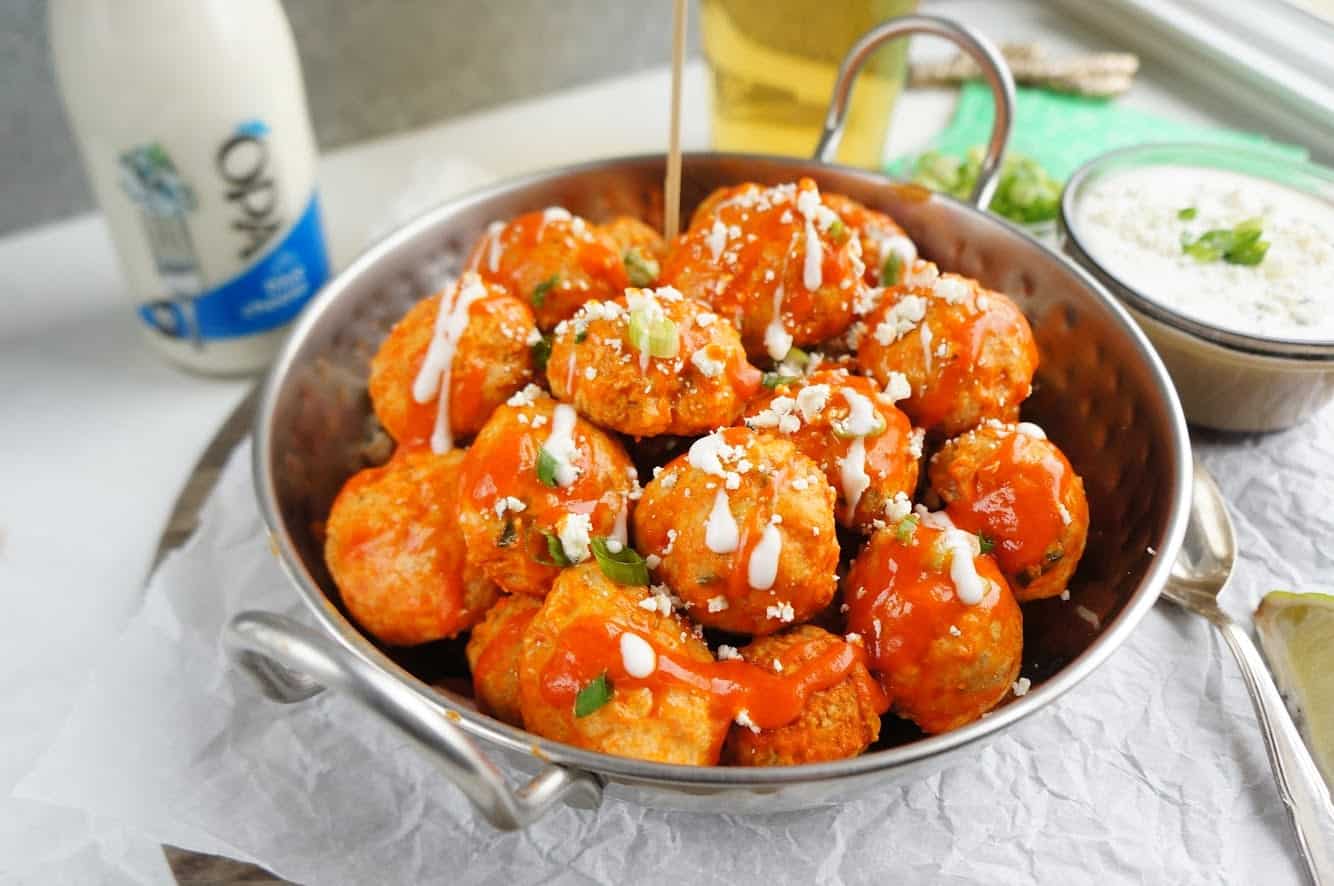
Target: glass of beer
[{"x": 774, "y": 63}]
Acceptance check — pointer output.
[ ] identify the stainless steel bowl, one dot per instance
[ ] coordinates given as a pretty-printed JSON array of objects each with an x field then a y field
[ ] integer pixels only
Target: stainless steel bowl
[
  {"x": 1101, "y": 392},
  {"x": 1229, "y": 380}
]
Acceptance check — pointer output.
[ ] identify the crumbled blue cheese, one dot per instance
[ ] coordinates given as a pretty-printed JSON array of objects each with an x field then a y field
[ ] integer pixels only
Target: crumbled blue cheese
[{"x": 901, "y": 319}]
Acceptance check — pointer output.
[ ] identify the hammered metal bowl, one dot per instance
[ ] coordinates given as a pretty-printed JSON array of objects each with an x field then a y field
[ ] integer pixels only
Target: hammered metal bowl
[{"x": 1100, "y": 392}]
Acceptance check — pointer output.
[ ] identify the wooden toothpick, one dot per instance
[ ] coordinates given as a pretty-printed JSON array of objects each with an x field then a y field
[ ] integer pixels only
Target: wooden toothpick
[{"x": 672, "y": 187}]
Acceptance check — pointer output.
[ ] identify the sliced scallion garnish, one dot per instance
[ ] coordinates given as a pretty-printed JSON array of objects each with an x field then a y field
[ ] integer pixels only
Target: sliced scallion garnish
[{"x": 624, "y": 567}]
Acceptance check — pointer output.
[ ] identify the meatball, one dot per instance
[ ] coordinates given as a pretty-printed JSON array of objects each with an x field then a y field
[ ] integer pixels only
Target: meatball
[
  {"x": 742, "y": 528},
  {"x": 966, "y": 353},
  {"x": 601, "y": 671},
  {"x": 776, "y": 262},
  {"x": 494, "y": 650},
  {"x": 393, "y": 548},
  {"x": 536, "y": 485},
  {"x": 651, "y": 363},
  {"x": 551, "y": 260},
  {"x": 866, "y": 447},
  {"x": 641, "y": 247},
  {"x": 886, "y": 250},
  {"x": 480, "y": 347},
  {"x": 1012, "y": 485},
  {"x": 942, "y": 628},
  {"x": 835, "y": 722}
]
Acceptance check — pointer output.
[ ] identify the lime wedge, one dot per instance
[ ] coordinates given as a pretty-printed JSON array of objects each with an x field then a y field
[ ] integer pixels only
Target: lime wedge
[{"x": 1297, "y": 635}]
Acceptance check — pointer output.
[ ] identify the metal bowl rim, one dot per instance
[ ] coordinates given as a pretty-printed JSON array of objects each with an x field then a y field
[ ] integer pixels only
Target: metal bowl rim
[{"x": 665, "y": 774}]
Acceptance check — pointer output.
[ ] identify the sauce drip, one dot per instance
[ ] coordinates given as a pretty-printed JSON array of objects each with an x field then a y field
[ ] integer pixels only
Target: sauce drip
[
  {"x": 590, "y": 647},
  {"x": 720, "y": 530},
  {"x": 433, "y": 377}
]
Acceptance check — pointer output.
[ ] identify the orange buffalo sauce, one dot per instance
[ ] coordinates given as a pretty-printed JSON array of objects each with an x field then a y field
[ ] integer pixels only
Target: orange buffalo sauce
[
  {"x": 965, "y": 333},
  {"x": 901, "y": 598},
  {"x": 506, "y": 640},
  {"x": 1017, "y": 499},
  {"x": 590, "y": 647}
]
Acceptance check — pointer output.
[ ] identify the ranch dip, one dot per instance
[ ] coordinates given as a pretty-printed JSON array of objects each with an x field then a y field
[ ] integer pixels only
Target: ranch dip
[{"x": 1133, "y": 224}]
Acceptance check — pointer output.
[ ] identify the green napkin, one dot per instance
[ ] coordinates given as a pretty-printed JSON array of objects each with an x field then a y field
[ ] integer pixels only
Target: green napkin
[{"x": 1062, "y": 132}]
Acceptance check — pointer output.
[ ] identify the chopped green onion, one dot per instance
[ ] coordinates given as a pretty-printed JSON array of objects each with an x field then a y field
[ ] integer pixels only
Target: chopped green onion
[
  {"x": 986, "y": 543},
  {"x": 906, "y": 528},
  {"x": 540, "y": 293},
  {"x": 657, "y": 336},
  {"x": 556, "y": 551},
  {"x": 891, "y": 272},
  {"x": 1025, "y": 191},
  {"x": 624, "y": 567},
  {"x": 1188, "y": 213},
  {"x": 547, "y": 468},
  {"x": 838, "y": 232},
  {"x": 593, "y": 696},
  {"x": 507, "y": 535},
  {"x": 1238, "y": 245},
  {"x": 773, "y": 380},
  {"x": 641, "y": 271},
  {"x": 580, "y": 334},
  {"x": 541, "y": 351},
  {"x": 796, "y": 357}
]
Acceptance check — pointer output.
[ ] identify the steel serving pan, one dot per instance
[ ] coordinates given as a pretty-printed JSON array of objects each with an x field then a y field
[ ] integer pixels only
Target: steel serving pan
[{"x": 1101, "y": 392}]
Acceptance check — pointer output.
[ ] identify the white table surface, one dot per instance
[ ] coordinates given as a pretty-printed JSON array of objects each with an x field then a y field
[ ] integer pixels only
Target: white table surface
[{"x": 97, "y": 435}]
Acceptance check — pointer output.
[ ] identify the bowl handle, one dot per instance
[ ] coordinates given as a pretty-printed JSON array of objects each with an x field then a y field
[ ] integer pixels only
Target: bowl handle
[
  {"x": 292, "y": 662},
  {"x": 982, "y": 50}
]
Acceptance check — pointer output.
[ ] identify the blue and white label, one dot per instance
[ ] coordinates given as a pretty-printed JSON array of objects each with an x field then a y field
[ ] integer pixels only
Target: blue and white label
[{"x": 268, "y": 294}]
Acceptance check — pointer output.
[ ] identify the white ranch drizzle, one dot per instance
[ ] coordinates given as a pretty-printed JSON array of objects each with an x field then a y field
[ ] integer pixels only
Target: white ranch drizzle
[
  {"x": 762, "y": 568},
  {"x": 433, "y": 376},
  {"x": 721, "y": 534},
  {"x": 969, "y": 587},
  {"x": 852, "y": 474},
  {"x": 717, "y": 239},
  {"x": 560, "y": 444},
  {"x": 494, "y": 246},
  {"x": 637, "y": 656},
  {"x": 777, "y": 340},
  {"x": 925, "y": 332},
  {"x": 812, "y": 273},
  {"x": 861, "y": 421}
]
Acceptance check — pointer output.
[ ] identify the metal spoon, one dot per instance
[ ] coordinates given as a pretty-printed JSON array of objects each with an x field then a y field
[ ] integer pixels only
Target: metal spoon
[{"x": 1200, "y": 573}]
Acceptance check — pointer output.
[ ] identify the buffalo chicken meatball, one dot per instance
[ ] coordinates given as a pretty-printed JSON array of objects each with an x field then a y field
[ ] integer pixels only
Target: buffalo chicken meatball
[
  {"x": 942, "y": 628},
  {"x": 1013, "y": 486},
  {"x": 965, "y": 353},
  {"x": 600, "y": 670},
  {"x": 393, "y": 548},
  {"x": 866, "y": 447},
  {"x": 651, "y": 363},
  {"x": 776, "y": 262},
  {"x": 641, "y": 247},
  {"x": 742, "y": 529},
  {"x": 469, "y": 346},
  {"x": 493, "y": 651},
  {"x": 840, "y": 720},
  {"x": 537, "y": 485},
  {"x": 886, "y": 250},
  {"x": 551, "y": 260}
]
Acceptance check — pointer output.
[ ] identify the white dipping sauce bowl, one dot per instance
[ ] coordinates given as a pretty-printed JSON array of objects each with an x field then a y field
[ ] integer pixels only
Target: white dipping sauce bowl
[{"x": 1226, "y": 379}]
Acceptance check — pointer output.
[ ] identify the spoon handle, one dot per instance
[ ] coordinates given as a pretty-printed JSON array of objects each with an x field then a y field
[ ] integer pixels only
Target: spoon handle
[{"x": 1299, "y": 782}]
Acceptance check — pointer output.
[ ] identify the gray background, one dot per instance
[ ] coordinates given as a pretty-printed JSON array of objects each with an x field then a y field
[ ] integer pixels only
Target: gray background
[{"x": 371, "y": 67}]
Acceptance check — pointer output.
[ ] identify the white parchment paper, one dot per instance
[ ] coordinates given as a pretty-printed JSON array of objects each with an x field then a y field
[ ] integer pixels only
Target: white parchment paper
[{"x": 1150, "y": 771}]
